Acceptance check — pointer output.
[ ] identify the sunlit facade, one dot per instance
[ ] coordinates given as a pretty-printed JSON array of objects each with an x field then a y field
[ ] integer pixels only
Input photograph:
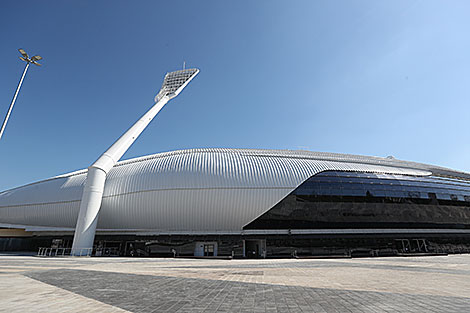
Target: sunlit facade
[{"x": 259, "y": 203}]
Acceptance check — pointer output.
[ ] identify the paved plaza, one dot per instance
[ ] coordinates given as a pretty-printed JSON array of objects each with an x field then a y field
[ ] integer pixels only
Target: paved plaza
[{"x": 407, "y": 284}]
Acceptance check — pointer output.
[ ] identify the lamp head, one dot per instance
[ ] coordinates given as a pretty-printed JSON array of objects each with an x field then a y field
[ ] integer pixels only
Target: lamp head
[
  {"x": 25, "y": 57},
  {"x": 174, "y": 82},
  {"x": 23, "y": 53}
]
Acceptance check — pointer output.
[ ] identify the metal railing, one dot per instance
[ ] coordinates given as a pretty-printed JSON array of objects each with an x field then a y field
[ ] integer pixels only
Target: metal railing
[
  {"x": 63, "y": 252},
  {"x": 59, "y": 252}
]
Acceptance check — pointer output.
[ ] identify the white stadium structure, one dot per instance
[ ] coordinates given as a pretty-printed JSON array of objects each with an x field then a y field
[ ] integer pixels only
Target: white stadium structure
[
  {"x": 218, "y": 201},
  {"x": 238, "y": 203}
]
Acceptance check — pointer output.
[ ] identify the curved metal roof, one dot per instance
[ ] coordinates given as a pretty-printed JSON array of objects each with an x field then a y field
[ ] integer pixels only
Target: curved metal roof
[{"x": 190, "y": 190}]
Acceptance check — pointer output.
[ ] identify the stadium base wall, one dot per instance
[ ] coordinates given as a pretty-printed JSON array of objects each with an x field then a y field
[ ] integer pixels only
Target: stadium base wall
[{"x": 271, "y": 246}]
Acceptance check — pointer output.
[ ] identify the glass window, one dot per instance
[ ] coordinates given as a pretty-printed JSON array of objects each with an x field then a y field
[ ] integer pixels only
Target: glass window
[{"x": 359, "y": 184}]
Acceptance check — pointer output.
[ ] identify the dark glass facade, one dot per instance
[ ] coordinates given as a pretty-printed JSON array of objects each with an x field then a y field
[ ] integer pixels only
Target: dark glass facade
[{"x": 335, "y": 199}]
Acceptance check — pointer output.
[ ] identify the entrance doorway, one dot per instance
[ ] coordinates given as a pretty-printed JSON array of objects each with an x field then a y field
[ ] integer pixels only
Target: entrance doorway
[
  {"x": 209, "y": 250},
  {"x": 205, "y": 248},
  {"x": 254, "y": 248}
]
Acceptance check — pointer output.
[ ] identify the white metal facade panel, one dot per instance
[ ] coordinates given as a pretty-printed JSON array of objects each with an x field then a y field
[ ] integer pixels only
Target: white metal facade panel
[{"x": 189, "y": 190}]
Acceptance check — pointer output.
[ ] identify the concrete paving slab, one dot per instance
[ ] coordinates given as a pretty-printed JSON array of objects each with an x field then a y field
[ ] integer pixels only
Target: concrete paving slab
[{"x": 424, "y": 284}]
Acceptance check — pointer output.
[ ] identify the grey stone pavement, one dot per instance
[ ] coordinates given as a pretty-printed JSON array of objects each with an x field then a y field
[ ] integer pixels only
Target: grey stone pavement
[{"x": 412, "y": 284}]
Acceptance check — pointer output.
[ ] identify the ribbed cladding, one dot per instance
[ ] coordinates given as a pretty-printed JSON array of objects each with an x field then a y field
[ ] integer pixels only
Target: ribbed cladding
[
  {"x": 225, "y": 193},
  {"x": 319, "y": 156},
  {"x": 200, "y": 189},
  {"x": 54, "y": 201},
  {"x": 46, "y": 191}
]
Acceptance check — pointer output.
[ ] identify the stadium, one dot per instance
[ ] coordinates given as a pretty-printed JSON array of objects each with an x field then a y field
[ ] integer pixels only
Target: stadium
[{"x": 250, "y": 203}]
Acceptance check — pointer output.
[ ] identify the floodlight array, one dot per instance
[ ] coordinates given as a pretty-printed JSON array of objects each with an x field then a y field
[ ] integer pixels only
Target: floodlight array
[
  {"x": 25, "y": 57},
  {"x": 174, "y": 81}
]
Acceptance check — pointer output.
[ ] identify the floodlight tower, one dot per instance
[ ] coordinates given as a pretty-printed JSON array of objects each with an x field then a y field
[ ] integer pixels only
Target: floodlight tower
[
  {"x": 85, "y": 229},
  {"x": 28, "y": 61}
]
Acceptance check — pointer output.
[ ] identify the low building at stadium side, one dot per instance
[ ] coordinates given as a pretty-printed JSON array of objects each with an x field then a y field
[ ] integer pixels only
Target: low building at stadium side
[{"x": 250, "y": 203}]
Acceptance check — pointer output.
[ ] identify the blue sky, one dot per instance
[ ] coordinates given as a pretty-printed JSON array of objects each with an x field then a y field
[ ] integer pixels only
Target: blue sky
[{"x": 364, "y": 77}]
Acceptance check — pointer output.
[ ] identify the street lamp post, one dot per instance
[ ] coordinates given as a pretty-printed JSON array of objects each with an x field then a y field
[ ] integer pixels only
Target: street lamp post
[{"x": 28, "y": 61}]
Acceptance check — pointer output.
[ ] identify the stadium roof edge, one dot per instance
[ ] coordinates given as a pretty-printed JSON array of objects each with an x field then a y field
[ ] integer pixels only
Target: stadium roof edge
[{"x": 302, "y": 154}]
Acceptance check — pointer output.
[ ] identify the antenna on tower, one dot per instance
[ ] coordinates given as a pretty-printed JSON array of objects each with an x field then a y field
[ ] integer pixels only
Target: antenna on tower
[{"x": 184, "y": 65}]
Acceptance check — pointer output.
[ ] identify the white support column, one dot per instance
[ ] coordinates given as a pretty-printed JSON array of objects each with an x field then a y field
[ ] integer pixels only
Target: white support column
[
  {"x": 89, "y": 209},
  {"x": 96, "y": 177},
  {"x": 94, "y": 186}
]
